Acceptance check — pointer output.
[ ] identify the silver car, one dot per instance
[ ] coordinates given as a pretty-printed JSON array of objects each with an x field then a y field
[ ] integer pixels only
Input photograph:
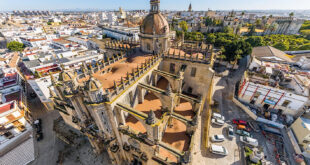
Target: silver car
[
  {"x": 230, "y": 132},
  {"x": 217, "y": 138}
]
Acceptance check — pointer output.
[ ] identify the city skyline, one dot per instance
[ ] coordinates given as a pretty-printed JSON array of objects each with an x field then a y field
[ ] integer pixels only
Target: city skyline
[{"x": 9, "y": 5}]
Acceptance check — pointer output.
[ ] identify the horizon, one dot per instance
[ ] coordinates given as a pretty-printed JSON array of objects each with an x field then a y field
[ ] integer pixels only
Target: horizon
[{"x": 173, "y": 5}]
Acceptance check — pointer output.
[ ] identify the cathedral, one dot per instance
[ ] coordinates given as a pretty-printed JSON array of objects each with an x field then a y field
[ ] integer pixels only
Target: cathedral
[{"x": 142, "y": 102}]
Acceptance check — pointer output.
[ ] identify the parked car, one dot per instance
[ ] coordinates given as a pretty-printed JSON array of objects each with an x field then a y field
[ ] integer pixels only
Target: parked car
[
  {"x": 217, "y": 122},
  {"x": 240, "y": 122},
  {"x": 219, "y": 150},
  {"x": 217, "y": 138},
  {"x": 243, "y": 133},
  {"x": 38, "y": 125},
  {"x": 243, "y": 127},
  {"x": 39, "y": 136},
  {"x": 37, "y": 122},
  {"x": 230, "y": 132},
  {"x": 248, "y": 140},
  {"x": 218, "y": 116}
]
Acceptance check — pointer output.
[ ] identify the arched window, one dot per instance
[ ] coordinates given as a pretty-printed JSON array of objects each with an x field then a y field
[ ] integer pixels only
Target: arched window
[{"x": 148, "y": 46}]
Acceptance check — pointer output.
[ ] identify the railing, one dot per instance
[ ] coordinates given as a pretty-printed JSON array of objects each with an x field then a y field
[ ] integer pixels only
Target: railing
[
  {"x": 206, "y": 59},
  {"x": 131, "y": 77}
]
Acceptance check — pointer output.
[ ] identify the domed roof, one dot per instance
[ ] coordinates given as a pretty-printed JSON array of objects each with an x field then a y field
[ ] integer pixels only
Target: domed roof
[
  {"x": 65, "y": 76},
  {"x": 93, "y": 84},
  {"x": 155, "y": 23}
]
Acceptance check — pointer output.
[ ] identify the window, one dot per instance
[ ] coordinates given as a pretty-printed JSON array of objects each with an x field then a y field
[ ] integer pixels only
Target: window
[
  {"x": 257, "y": 94},
  {"x": 190, "y": 90},
  {"x": 183, "y": 67},
  {"x": 172, "y": 67},
  {"x": 193, "y": 72},
  {"x": 286, "y": 103}
]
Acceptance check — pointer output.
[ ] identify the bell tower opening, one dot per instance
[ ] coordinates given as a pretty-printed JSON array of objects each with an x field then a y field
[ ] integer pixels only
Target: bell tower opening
[{"x": 154, "y": 6}]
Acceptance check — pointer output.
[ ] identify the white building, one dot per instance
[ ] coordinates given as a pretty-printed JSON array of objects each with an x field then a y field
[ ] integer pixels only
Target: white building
[
  {"x": 112, "y": 18},
  {"x": 121, "y": 32},
  {"x": 260, "y": 91},
  {"x": 16, "y": 142},
  {"x": 40, "y": 81}
]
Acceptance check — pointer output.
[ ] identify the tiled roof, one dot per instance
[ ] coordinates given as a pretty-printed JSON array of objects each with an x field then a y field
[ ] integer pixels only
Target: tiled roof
[
  {"x": 20, "y": 155},
  {"x": 268, "y": 51}
]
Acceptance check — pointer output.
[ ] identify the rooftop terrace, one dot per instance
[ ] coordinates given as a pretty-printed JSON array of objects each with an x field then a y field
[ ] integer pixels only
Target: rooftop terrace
[{"x": 176, "y": 135}]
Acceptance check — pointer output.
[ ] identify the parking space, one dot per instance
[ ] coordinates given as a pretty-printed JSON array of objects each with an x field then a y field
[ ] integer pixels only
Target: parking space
[
  {"x": 231, "y": 145},
  {"x": 230, "y": 111}
]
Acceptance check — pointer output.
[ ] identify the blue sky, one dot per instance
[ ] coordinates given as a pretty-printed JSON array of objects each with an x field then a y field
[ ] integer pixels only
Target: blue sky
[{"x": 7, "y": 5}]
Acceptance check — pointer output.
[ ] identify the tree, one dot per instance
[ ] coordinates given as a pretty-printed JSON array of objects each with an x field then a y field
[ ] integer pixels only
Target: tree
[
  {"x": 282, "y": 46},
  {"x": 173, "y": 23},
  {"x": 305, "y": 47},
  {"x": 258, "y": 22},
  {"x": 211, "y": 38},
  {"x": 274, "y": 27},
  {"x": 15, "y": 46},
  {"x": 252, "y": 29},
  {"x": 209, "y": 21},
  {"x": 291, "y": 14},
  {"x": 228, "y": 29},
  {"x": 183, "y": 26},
  {"x": 237, "y": 49},
  {"x": 255, "y": 41}
]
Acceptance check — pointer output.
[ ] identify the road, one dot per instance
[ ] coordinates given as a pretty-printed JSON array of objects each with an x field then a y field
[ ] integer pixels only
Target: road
[{"x": 47, "y": 151}]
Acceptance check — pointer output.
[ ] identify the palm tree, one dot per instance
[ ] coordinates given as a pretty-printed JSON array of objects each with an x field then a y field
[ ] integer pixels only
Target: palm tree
[{"x": 291, "y": 14}]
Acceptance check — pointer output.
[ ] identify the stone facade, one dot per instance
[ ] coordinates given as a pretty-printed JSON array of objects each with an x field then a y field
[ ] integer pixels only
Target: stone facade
[
  {"x": 284, "y": 25},
  {"x": 141, "y": 108}
]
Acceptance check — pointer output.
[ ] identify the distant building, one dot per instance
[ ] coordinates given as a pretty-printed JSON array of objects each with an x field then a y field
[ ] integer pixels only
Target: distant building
[
  {"x": 284, "y": 25},
  {"x": 121, "y": 32},
  {"x": 190, "y": 7}
]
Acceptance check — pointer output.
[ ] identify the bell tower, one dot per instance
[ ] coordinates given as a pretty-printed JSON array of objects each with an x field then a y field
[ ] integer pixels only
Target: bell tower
[{"x": 155, "y": 6}]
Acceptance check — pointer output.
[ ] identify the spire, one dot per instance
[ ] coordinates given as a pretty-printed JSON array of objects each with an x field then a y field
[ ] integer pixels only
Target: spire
[
  {"x": 154, "y": 6},
  {"x": 190, "y": 7},
  {"x": 151, "y": 118}
]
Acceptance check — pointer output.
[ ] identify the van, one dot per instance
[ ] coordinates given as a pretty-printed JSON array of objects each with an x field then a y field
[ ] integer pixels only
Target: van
[
  {"x": 218, "y": 116},
  {"x": 219, "y": 150},
  {"x": 248, "y": 140}
]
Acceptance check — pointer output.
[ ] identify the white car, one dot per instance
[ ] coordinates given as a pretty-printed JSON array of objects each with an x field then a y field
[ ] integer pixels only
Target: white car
[
  {"x": 218, "y": 116},
  {"x": 230, "y": 132},
  {"x": 219, "y": 150},
  {"x": 217, "y": 138},
  {"x": 217, "y": 122},
  {"x": 248, "y": 140}
]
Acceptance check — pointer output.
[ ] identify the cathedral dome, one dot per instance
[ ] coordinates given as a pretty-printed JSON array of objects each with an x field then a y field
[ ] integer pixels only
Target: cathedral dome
[{"x": 155, "y": 23}]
